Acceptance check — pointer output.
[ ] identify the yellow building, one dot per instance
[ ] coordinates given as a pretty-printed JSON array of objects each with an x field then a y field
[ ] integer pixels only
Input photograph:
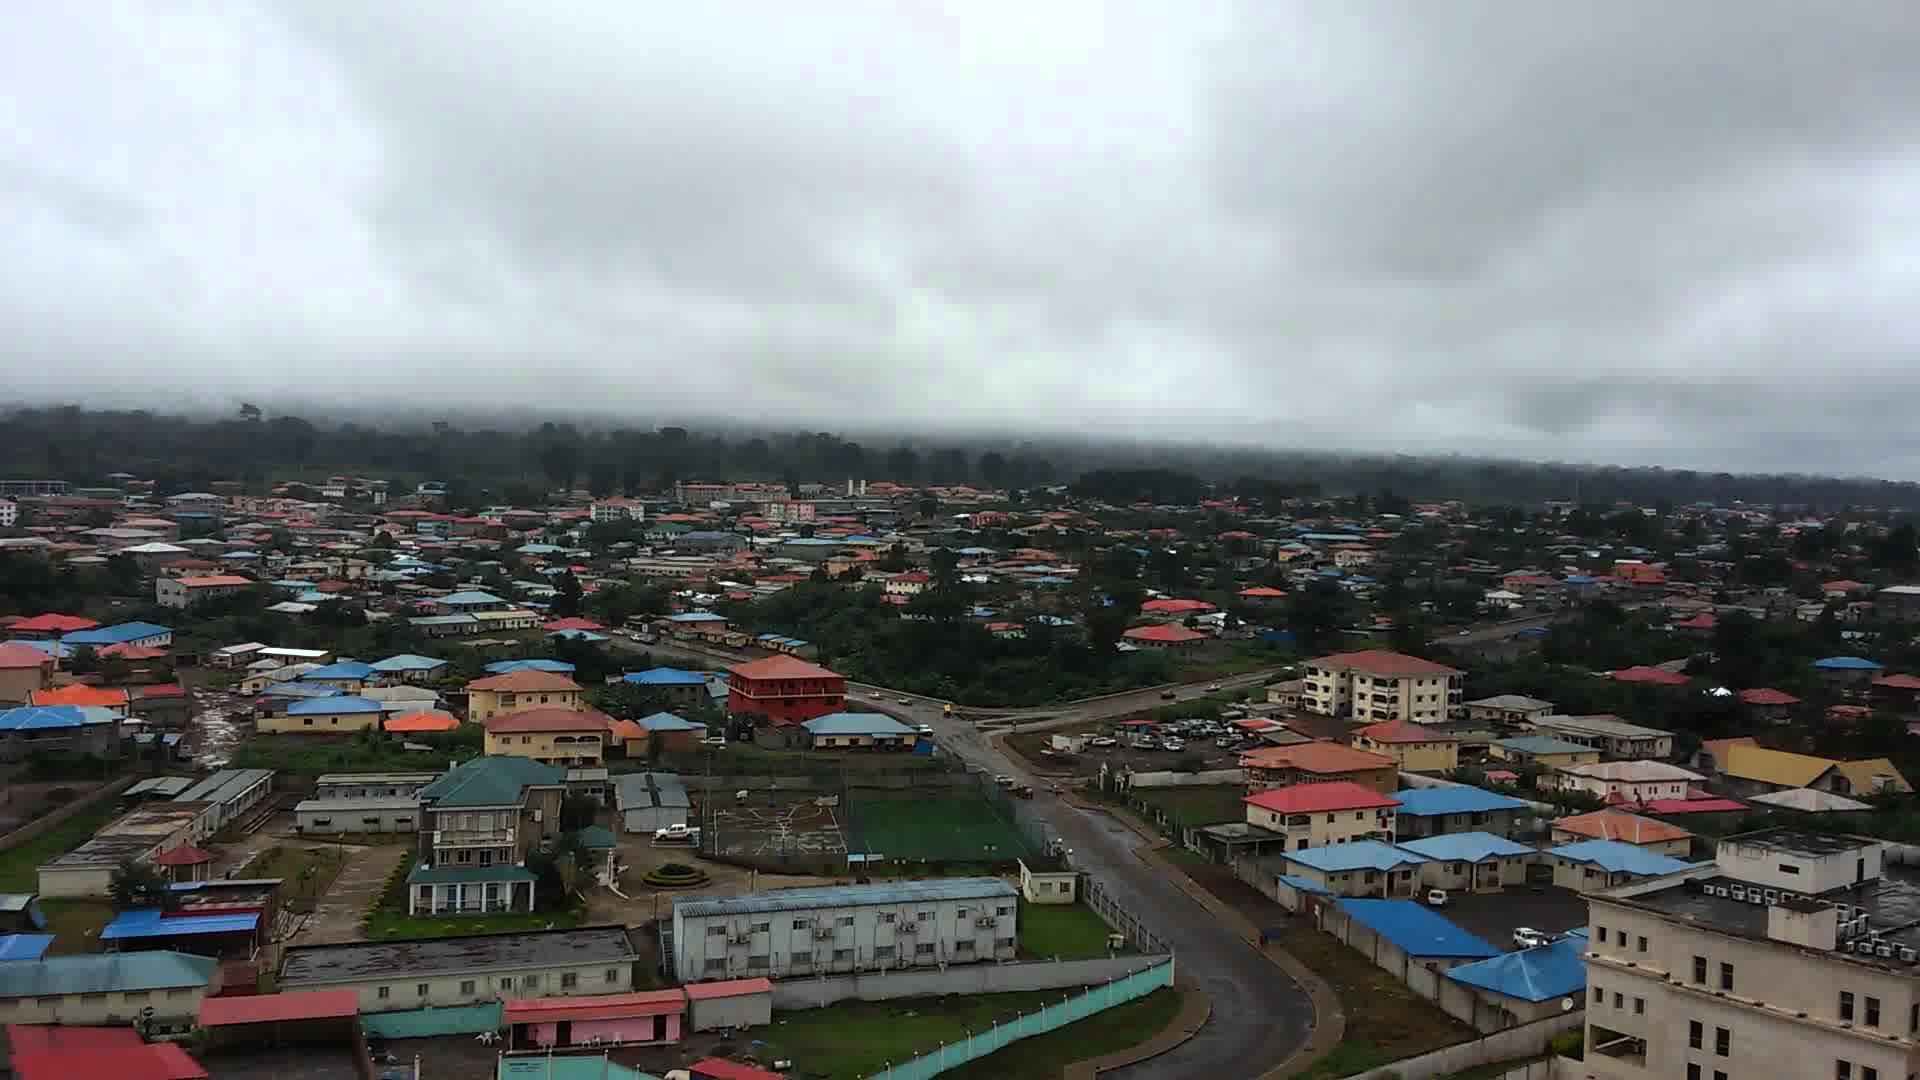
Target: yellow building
[
  {"x": 1316, "y": 815},
  {"x": 1414, "y": 747},
  {"x": 1376, "y": 685},
  {"x": 498, "y": 695},
  {"x": 342, "y": 715},
  {"x": 553, "y": 735}
]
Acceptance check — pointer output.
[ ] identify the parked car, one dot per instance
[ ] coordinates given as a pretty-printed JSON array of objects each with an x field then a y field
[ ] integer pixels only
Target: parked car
[
  {"x": 1168, "y": 695},
  {"x": 924, "y": 729},
  {"x": 718, "y": 742},
  {"x": 1213, "y": 688},
  {"x": 1526, "y": 937},
  {"x": 677, "y": 832},
  {"x": 1103, "y": 741},
  {"x": 1172, "y": 744},
  {"x": 1436, "y": 898},
  {"x": 1004, "y": 780},
  {"x": 904, "y": 700}
]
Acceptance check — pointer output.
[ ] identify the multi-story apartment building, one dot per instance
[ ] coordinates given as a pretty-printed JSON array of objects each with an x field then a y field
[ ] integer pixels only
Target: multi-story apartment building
[
  {"x": 1316, "y": 763},
  {"x": 1414, "y": 747},
  {"x": 1315, "y": 815},
  {"x": 477, "y": 824},
  {"x": 784, "y": 689},
  {"x": 497, "y": 695},
  {"x": 1793, "y": 954},
  {"x": 554, "y": 736},
  {"x": 844, "y": 928},
  {"x": 185, "y": 592},
  {"x": 1376, "y": 685}
]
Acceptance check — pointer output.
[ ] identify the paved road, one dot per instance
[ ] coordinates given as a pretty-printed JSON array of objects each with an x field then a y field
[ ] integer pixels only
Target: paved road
[{"x": 1260, "y": 1016}]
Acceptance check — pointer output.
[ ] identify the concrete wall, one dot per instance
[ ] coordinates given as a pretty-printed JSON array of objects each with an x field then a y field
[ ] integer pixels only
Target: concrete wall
[
  {"x": 813, "y": 993},
  {"x": 1166, "y": 779},
  {"x": 1506, "y": 1045},
  {"x": 354, "y": 820},
  {"x": 41, "y": 824},
  {"x": 170, "y": 1007},
  {"x": 738, "y": 1011}
]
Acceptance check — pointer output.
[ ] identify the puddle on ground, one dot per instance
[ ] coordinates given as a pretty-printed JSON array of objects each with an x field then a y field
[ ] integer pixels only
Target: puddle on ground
[{"x": 218, "y": 726}]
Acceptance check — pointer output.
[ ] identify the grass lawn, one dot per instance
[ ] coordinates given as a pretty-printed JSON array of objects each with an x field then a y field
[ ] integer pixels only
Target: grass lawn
[
  {"x": 1197, "y": 805},
  {"x": 1043, "y": 1056},
  {"x": 1386, "y": 1020},
  {"x": 1066, "y": 931},
  {"x": 308, "y": 872},
  {"x": 76, "y": 924},
  {"x": 856, "y": 1038},
  {"x": 20, "y": 868},
  {"x": 388, "y": 926},
  {"x": 965, "y": 829}
]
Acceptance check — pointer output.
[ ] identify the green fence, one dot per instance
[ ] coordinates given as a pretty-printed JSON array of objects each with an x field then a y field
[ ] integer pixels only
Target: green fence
[{"x": 1049, "y": 1018}]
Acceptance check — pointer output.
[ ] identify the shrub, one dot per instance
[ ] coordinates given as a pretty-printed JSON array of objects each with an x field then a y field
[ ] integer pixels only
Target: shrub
[{"x": 1570, "y": 1044}]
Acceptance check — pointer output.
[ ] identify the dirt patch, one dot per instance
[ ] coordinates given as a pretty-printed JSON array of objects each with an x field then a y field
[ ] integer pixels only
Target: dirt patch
[{"x": 220, "y": 722}]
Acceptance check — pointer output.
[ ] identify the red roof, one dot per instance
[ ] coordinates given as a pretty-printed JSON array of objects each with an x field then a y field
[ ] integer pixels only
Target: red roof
[
  {"x": 1168, "y": 633},
  {"x": 78, "y": 694},
  {"x": 1263, "y": 592},
  {"x": 596, "y": 1007},
  {"x": 184, "y": 855},
  {"x": 1898, "y": 682},
  {"x": 1767, "y": 695},
  {"x": 159, "y": 690},
  {"x": 1318, "y": 798},
  {"x": 35, "y": 1038},
  {"x": 421, "y": 721},
  {"x": 1702, "y": 621},
  {"x": 22, "y": 656},
  {"x": 290, "y": 1005},
  {"x": 1403, "y": 731},
  {"x": 127, "y": 650},
  {"x": 1693, "y": 806},
  {"x": 1382, "y": 662},
  {"x": 216, "y": 580},
  {"x": 575, "y": 623},
  {"x": 53, "y": 622},
  {"x": 722, "y": 1069},
  {"x": 782, "y": 667},
  {"x": 154, "y": 1061},
  {"x": 1177, "y": 607},
  {"x": 524, "y": 680},
  {"x": 729, "y": 988},
  {"x": 1843, "y": 586},
  {"x": 548, "y": 720},
  {"x": 1654, "y": 675}
]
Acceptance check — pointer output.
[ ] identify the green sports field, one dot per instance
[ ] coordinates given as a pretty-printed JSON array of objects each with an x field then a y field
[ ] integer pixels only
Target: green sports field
[{"x": 964, "y": 830}]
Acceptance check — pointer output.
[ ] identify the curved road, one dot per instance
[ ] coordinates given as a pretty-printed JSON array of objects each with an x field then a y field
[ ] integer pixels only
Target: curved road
[{"x": 1260, "y": 1016}]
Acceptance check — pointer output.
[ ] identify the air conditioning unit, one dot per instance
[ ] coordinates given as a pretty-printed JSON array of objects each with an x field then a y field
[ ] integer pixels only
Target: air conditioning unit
[
  {"x": 1739, "y": 893},
  {"x": 823, "y": 935},
  {"x": 907, "y": 928},
  {"x": 1908, "y": 956},
  {"x": 1883, "y": 951},
  {"x": 742, "y": 939},
  {"x": 1753, "y": 897},
  {"x": 436, "y": 836},
  {"x": 1772, "y": 896},
  {"x": 984, "y": 920}
]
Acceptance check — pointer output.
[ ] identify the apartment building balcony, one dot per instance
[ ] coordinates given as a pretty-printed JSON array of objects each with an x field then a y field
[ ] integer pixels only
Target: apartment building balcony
[{"x": 463, "y": 838}]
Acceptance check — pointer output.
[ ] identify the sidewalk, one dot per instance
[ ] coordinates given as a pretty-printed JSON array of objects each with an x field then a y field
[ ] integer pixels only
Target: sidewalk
[
  {"x": 1193, "y": 1014},
  {"x": 1330, "y": 1021}
]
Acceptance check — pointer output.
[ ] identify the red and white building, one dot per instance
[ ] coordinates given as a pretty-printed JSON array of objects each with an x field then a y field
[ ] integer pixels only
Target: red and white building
[{"x": 785, "y": 689}]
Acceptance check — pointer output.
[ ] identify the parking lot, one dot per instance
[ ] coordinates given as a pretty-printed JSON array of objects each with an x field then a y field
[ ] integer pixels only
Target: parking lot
[
  {"x": 1493, "y": 916},
  {"x": 1122, "y": 754}
]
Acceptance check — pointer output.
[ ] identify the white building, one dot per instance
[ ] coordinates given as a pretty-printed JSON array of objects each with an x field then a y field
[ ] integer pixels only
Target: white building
[
  {"x": 1793, "y": 955},
  {"x": 844, "y": 928},
  {"x": 440, "y": 972},
  {"x": 1633, "y": 781}
]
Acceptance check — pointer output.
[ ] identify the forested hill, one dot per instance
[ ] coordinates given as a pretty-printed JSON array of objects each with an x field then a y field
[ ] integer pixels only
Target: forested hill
[{"x": 257, "y": 446}]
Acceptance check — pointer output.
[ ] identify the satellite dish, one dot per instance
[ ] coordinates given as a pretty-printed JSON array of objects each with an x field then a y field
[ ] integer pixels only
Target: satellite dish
[{"x": 1566, "y": 1004}]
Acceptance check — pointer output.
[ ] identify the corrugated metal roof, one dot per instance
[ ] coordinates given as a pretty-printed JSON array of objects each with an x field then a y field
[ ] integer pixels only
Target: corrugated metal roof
[
  {"x": 328, "y": 706},
  {"x": 105, "y": 973},
  {"x": 1616, "y": 858},
  {"x": 1359, "y": 855},
  {"x": 1429, "y": 802},
  {"x": 906, "y": 892},
  {"x": 293, "y": 1005},
  {"x": 1465, "y": 847},
  {"x": 224, "y": 785},
  {"x": 428, "y": 1023},
  {"x": 1416, "y": 929},
  {"x": 850, "y": 723},
  {"x": 666, "y": 721},
  {"x": 493, "y": 780},
  {"x": 24, "y": 946},
  {"x": 154, "y": 923},
  {"x": 1536, "y": 974}
]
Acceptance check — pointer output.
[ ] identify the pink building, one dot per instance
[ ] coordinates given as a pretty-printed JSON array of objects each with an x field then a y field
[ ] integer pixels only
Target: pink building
[{"x": 648, "y": 1016}]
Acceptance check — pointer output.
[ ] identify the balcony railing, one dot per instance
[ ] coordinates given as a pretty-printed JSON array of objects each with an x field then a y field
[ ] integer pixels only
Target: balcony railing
[{"x": 473, "y": 838}]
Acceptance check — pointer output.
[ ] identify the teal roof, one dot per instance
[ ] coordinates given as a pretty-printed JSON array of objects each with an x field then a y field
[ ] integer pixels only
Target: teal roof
[
  {"x": 467, "y": 875},
  {"x": 595, "y": 838},
  {"x": 666, "y": 721},
  {"x": 427, "y": 1023},
  {"x": 494, "y": 780},
  {"x": 852, "y": 723},
  {"x": 566, "y": 1067},
  {"x": 104, "y": 973}
]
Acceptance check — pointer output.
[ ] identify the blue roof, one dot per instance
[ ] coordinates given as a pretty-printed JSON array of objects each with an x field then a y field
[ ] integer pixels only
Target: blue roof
[
  {"x": 1465, "y": 847},
  {"x": 587, "y": 636},
  {"x": 1542, "y": 744},
  {"x": 105, "y": 973},
  {"x": 852, "y": 723},
  {"x": 472, "y": 597},
  {"x": 835, "y": 896},
  {"x": 344, "y": 669},
  {"x": 152, "y": 923},
  {"x": 1305, "y": 884},
  {"x": 1359, "y": 855},
  {"x": 1434, "y": 801},
  {"x": 665, "y": 676},
  {"x": 1537, "y": 974},
  {"x": 118, "y": 634},
  {"x": 666, "y": 721},
  {"x": 333, "y": 706},
  {"x": 407, "y": 662},
  {"x": 24, "y": 946},
  {"x": 1846, "y": 663},
  {"x": 1616, "y": 857},
  {"x": 300, "y": 690},
  {"x": 1415, "y": 929},
  {"x": 501, "y": 667},
  {"x": 51, "y": 717},
  {"x": 696, "y": 616}
]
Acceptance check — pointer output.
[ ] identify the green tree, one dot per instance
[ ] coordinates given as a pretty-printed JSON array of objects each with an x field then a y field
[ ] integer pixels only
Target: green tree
[{"x": 135, "y": 884}]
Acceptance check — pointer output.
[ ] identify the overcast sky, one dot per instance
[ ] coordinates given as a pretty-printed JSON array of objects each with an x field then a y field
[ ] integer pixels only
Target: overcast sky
[{"x": 1636, "y": 231}]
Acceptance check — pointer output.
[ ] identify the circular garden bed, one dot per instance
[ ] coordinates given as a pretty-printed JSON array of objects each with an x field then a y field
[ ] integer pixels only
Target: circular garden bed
[{"x": 675, "y": 876}]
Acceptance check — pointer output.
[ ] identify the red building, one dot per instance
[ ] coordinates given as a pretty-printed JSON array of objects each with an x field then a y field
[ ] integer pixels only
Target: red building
[{"x": 785, "y": 689}]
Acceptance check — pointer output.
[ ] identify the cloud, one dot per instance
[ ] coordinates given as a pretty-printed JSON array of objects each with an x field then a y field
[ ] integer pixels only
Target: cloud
[{"x": 1631, "y": 232}]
